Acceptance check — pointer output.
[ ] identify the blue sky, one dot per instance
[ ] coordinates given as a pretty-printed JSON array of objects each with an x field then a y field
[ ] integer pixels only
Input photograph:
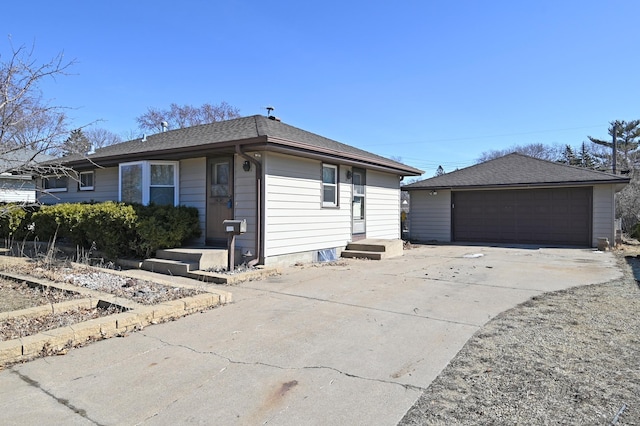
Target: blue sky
[{"x": 431, "y": 82}]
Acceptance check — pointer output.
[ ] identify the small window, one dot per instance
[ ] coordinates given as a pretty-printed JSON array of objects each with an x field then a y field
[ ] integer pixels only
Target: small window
[
  {"x": 220, "y": 179},
  {"x": 86, "y": 181},
  {"x": 55, "y": 183},
  {"x": 162, "y": 186},
  {"x": 329, "y": 185}
]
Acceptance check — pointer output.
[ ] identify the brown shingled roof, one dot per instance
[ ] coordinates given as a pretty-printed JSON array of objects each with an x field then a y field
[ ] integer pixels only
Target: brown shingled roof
[
  {"x": 257, "y": 132},
  {"x": 515, "y": 170}
]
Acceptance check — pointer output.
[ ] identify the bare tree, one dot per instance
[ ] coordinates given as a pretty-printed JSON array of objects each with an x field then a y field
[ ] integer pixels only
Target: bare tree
[
  {"x": 100, "y": 137},
  {"x": 536, "y": 150},
  {"x": 181, "y": 116},
  {"x": 31, "y": 129},
  {"x": 29, "y": 126}
]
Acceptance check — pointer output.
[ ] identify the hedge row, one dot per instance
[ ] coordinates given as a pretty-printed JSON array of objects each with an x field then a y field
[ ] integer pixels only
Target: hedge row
[{"x": 116, "y": 229}]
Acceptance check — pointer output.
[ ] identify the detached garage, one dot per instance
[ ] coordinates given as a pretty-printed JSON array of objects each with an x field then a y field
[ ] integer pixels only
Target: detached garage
[{"x": 515, "y": 199}]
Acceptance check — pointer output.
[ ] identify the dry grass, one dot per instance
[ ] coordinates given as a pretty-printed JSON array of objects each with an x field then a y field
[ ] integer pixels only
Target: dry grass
[{"x": 568, "y": 357}]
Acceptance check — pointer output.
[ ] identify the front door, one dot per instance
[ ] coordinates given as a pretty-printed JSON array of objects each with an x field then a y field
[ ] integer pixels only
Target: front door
[
  {"x": 219, "y": 198},
  {"x": 357, "y": 210}
]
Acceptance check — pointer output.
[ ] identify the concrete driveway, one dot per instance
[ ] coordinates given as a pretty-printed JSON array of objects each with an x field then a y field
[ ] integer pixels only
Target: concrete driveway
[{"x": 353, "y": 343}]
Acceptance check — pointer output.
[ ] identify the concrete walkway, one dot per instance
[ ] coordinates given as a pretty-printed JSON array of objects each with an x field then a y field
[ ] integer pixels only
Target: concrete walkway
[{"x": 355, "y": 343}]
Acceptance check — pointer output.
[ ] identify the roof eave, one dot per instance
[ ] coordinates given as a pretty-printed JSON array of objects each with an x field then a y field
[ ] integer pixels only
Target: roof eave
[
  {"x": 342, "y": 158},
  {"x": 618, "y": 182},
  {"x": 308, "y": 150},
  {"x": 169, "y": 153}
]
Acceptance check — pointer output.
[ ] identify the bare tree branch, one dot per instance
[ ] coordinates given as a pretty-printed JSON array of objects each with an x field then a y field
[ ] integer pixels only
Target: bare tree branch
[{"x": 181, "y": 116}]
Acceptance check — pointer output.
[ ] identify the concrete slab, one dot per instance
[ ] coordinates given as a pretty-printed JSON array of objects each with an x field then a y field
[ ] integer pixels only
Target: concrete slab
[{"x": 355, "y": 342}]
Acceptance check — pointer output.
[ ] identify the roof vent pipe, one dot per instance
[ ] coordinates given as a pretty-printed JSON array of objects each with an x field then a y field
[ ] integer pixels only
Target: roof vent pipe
[
  {"x": 144, "y": 137},
  {"x": 164, "y": 125}
]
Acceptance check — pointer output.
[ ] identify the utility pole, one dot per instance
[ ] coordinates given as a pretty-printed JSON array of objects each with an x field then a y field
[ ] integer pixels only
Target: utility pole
[{"x": 615, "y": 146}]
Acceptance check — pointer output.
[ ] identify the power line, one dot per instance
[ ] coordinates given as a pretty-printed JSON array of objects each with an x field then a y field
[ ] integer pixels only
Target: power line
[{"x": 533, "y": 132}]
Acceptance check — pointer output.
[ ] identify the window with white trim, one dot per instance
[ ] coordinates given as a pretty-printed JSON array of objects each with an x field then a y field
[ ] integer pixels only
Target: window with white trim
[
  {"x": 148, "y": 182},
  {"x": 55, "y": 183},
  {"x": 329, "y": 185},
  {"x": 85, "y": 182}
]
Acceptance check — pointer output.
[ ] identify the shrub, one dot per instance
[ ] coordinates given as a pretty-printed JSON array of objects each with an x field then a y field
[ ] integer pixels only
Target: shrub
[
  {"x": 635, "y": 233},
  {"x": 118, "y": 229},
  {"x": 14, "y": 221},
  {"x": 162, "y": 226}
]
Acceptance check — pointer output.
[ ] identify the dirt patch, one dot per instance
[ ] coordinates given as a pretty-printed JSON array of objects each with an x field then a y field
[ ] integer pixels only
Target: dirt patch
[
  {"x": 569, "y": 357},
  {"x": 16, "y": 327},
  {"x": 15, "y": 295}
]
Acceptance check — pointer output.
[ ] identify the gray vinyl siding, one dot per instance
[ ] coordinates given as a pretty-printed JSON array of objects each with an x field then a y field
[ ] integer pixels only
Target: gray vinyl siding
[
  {"x": 105, "y": 188},
  {"x": 17, "y": 196},
  {"x": 245, "y": 204},
  {"x": 382, "y": 210},
  {"x": 603, "y": 213},
  {"x": 192, "y": 189},
  {"x": 17, "y": 190},
  {"x": 430, "y": 216},
  {"x": 295, "y": 220}
]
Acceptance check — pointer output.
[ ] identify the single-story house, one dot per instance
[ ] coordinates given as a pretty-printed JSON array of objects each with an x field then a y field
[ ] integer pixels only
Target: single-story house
[
  {"x": 16, "y": 182},
  {"x": 299, "y": 192},
  {"x": 516, "y": 199}
]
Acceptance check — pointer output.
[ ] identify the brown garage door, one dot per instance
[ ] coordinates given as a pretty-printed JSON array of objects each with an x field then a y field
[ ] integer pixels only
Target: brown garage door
[{"x": 559, "y": 216}]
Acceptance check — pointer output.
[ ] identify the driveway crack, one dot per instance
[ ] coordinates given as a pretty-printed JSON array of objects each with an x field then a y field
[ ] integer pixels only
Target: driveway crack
[
  {"x": 279, "y": 367},
  {"x": 387, "y": 311},
  {"x": 65, "y": 402}
]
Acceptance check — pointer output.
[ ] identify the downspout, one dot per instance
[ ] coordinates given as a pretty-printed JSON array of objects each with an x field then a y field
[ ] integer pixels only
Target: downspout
[{"x": 259, "y": 257}]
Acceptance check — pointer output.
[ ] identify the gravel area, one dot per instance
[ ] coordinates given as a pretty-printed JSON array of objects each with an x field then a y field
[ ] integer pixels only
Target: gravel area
[
  {"x": 568, "y": 357},
  {"x": 140, "y": 291}
]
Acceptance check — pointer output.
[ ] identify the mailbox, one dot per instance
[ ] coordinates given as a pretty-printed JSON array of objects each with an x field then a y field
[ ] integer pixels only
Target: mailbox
[{"x": 235, "y": 227}]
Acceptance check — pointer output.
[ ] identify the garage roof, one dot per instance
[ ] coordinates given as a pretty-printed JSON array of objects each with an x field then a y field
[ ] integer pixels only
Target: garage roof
[{"x": 515, "y": 170}]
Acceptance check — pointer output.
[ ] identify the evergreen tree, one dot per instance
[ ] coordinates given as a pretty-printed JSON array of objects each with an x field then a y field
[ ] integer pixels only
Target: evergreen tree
[
  {"x": 569, "y": 157},
  {"x": 627, "y": 140},
  {"x": 587, "y": 160},
  {"x": 77, "y": 143}
]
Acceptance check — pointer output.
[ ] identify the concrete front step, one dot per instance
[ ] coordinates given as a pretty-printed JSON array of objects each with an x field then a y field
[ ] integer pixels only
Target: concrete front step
[
  {"x": 205, "y": 258},
  {"x": 356, "y": 254},
  {"x": 374, "y": 249},
  {"x": 169, "y": 267}
]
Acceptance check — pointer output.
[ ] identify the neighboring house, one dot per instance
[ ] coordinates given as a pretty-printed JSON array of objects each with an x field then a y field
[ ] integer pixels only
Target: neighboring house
[
  {"x": 16, "y": 183},
  {"x": 516, "y": 199},
  {"x": 299, "y": 192}
]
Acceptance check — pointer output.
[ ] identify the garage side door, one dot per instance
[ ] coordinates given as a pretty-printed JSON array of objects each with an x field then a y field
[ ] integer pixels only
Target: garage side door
[{"x": 529, "y": 216}]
